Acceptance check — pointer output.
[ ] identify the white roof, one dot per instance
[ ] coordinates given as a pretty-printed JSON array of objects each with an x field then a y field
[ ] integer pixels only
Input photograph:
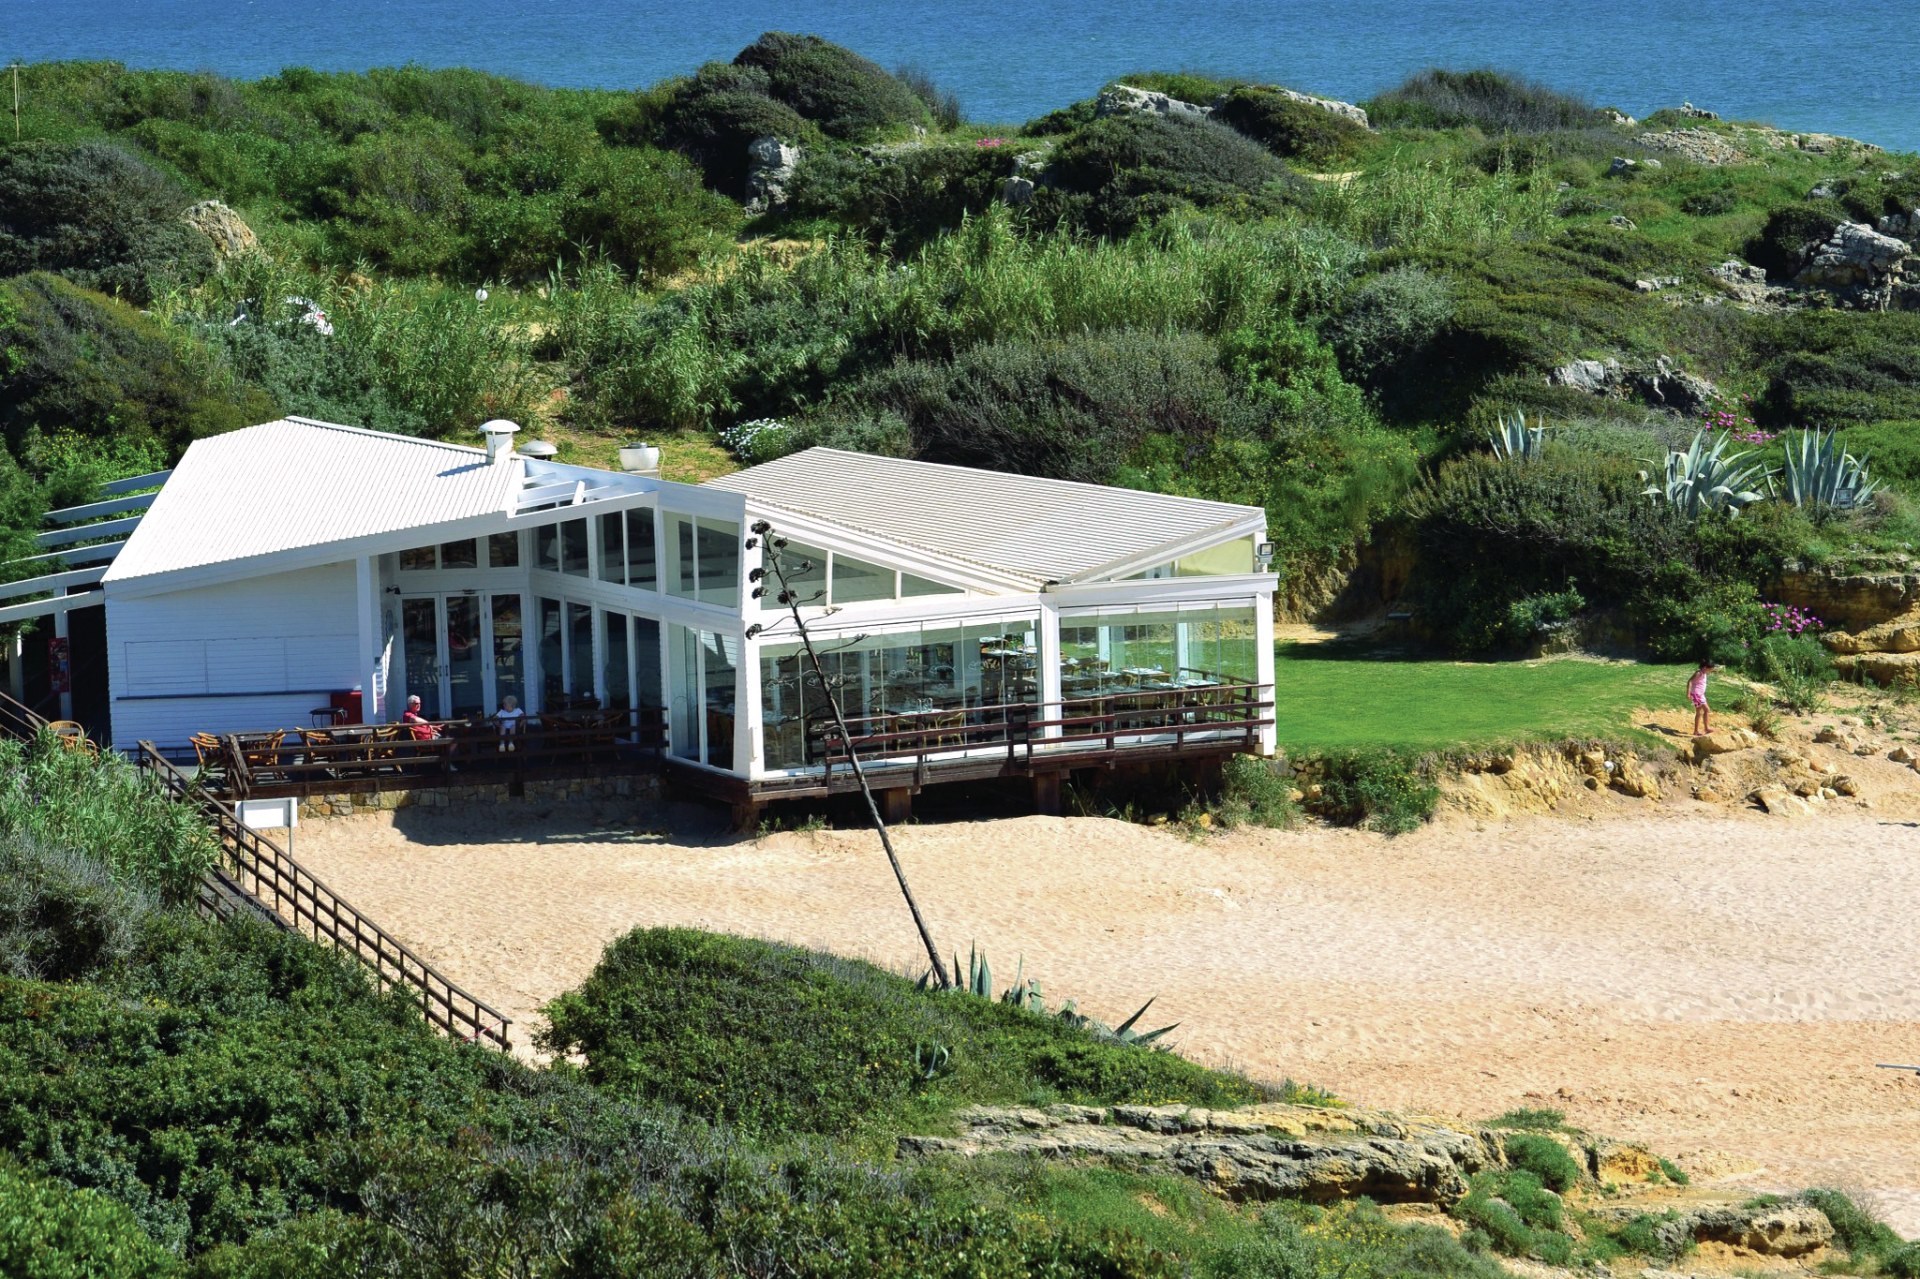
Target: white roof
[
  {"x": 298, "y": 483},
  {"x": 1046, "y": 530}
]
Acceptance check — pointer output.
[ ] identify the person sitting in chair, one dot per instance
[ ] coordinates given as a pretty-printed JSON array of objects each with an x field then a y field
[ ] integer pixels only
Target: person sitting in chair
[
  {"x": 417, "y": 724},
  {"x": 509, "y": 718}
]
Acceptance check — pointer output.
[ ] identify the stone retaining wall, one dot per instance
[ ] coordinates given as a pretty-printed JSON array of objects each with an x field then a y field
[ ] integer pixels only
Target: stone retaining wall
[{"x": 643, "y": 787}]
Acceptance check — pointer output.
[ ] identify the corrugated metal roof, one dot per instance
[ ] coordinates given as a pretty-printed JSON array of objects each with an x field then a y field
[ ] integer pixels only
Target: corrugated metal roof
[
  {"x": 1048, "y": 530},
  {"x": 298, "y": 483}
]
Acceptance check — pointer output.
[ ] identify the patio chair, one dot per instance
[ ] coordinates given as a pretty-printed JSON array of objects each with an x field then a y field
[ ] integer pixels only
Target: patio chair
[
  {"x": 948, "y": 729},
  {"x": 262, "y": 754},
  {"x": 73, "y": 736},
  {"x": 210, "y": 751}
]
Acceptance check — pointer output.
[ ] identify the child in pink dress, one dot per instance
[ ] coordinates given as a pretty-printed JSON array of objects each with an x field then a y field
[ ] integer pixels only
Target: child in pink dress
[{"x": 1697, "y": 694}]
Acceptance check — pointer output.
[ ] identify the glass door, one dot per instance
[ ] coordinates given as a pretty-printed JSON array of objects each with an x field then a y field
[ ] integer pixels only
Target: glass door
[
  {"x": 420, "y": 648},
  {"x": 464, "y": 660},
  {"x": 509, "y": 656}
]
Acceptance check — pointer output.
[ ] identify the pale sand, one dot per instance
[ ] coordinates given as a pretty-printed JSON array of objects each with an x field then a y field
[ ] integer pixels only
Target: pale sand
[{"x": 1703, "y": 983}]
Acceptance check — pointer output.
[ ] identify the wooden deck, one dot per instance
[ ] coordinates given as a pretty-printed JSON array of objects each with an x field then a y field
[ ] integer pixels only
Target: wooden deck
[{"x": 900, "y": 754}]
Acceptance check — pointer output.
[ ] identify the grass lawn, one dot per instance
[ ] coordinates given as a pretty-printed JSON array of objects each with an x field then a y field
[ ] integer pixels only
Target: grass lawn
[{"x": 1335, "y": 696}]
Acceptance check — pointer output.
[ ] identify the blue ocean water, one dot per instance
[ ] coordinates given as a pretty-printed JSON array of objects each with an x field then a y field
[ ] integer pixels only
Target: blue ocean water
[{"x": 1803, "y": 64}]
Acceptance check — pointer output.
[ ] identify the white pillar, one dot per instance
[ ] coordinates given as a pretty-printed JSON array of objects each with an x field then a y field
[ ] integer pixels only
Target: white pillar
[
  {"x": 17, "y": 668},
  {"x": 1049, "y": 658},
  {"x": 1263, "y": 651},
  {"x": 367, "y": 607},
  {"x": 747, "y": 745},
  {"x": 60, "y": 632}
]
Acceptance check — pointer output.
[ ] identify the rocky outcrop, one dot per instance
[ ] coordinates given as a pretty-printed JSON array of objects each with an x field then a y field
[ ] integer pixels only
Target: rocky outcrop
[
  {"x": 1904, "y": 225},
  {"x": 1658, "y": 384},
  {"x": 1853, "y": 600},
  {"x": 770, "y": 168},
  {"x": 1313, "y": 1153},
  {"x": 225, "y": 229},
  {"x": 1356, "y": 114},
  {"x": 1125, "y": 98},
  {"x": 1702, "y": 146},
  {"x": 1768, "y": 1230},
  {"x": 1864, "y": 268}
]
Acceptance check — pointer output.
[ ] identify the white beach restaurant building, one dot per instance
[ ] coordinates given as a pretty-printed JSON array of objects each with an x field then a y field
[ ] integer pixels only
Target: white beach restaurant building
[{"x": 298, "y": 565}]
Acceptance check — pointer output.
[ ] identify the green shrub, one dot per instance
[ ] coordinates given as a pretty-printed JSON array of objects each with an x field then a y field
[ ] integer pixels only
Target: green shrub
[
  {"x": 1709, "y": 204},
  {"x": 1545, "y": 1158},
  {"x": 1187, "y": 86},
  {"x": 1835, "y": 369},
  {"x": 1128, "y": 169},
  {"x": 49, "y": 1230},
  {"x": 97, "y": 214},
  {"x": 77, "y": 361},
  {"x": 104, "y": 809},
  {"x": 1388, "y": 323},
  {"x": 1904, "y": 1264},
  {"x": 62, "y": 914},
  {"x": 642, "y": 210},
  {"x": 942, "y": 104},
  {"x": 1252, "y": 792},
  {"x": 1857, "y": 1230},
  {"x": 1540, "y": 1119},
  {"x": 906, "y": 198},
  {"x": 1487, "y": 100},
  {"x": 1071, "y": 408},
  {"x": 848, "y": 97},
  {"x": 1892, "y": 450},
  {"x": 771, "y": 1039},
  {"x": 1387, "y": 790},
  {"x": 1790, "y": 235},
  {"x": 714, "y": 116},
  {"x": 1293, "y": 130}
]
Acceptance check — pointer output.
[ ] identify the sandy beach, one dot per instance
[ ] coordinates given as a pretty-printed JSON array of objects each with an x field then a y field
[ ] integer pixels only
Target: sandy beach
[{"x": 1720, "y": 986}]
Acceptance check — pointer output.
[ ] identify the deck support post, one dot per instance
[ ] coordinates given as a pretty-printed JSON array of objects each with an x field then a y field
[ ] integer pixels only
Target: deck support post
[
  {"x": 1046, "y": 794},
  {"x": 17, "y": 668},
  {"x": 60, "y": 632},
  {"x": 896, "y": 804},
  {"x": 367, "y": 600},
  {"x": 746, "y": 817}
]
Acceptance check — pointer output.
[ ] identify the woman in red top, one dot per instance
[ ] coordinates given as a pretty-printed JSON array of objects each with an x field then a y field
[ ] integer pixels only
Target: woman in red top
[{"x": 418, "y": 724}]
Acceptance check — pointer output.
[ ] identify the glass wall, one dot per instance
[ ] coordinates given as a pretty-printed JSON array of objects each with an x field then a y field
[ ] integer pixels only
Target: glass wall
[
  {"x": 1229, "y": 557},
  {"x": 853, "y": 581},
  {"x": 1119, "y": 651},
  {"x": 503, "y": 550},
  {"x": 626, "y": 548},
  {"x": 617, "y": 678},
  {"x": 580, "y": 650},
  {"x": 573, "y": 547},
  {"x": 939, "y": 677},
  {"x": 553, "y": 658},
  {"x": 705, "y": 667}
]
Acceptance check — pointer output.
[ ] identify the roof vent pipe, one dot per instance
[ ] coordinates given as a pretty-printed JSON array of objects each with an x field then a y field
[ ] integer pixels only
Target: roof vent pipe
[{"x": 499, "y": 433}]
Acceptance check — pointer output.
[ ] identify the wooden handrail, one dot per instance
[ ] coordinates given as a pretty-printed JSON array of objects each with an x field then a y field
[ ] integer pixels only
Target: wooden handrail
[
  {"x": 19, "y": 720},
  {"x": 256, "y": 873}
]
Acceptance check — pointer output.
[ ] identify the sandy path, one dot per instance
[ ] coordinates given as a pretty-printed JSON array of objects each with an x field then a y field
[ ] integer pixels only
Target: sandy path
[{"x": 1717, "y": 983}]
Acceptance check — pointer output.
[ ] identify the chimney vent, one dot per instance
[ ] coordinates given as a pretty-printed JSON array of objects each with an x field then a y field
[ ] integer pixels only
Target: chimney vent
[{"x": 499, "y": 433}]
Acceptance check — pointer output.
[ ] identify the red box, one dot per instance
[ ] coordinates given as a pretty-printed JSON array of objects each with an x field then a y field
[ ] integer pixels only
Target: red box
[{"x": 346, "y": 707}]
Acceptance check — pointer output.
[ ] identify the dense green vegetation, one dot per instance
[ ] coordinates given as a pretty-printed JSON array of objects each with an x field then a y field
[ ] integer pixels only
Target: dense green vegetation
[{"x": 1271, "y": 304}]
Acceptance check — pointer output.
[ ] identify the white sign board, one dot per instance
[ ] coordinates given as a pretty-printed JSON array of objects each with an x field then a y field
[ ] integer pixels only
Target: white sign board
[{"x": 269, "y": 814}]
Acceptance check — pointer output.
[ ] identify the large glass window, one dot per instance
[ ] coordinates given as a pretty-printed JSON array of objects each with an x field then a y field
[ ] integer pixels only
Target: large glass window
[
  {"x": 911, "y": 586},
  {"x": 719, "y": 562},
  {"x": 503, "y": 550},
  {"x": 553, "y": 662},
  {"x": 573, "y": 547},
  {"x": 948, "y": 681},
  {"x": 640, "y": 559},
  {"x": 856, "y": 581},
  {"x": 420, "y": 557},
  {"x": 646, "y": 663},
  {"x": 613, "y": 548},
  {"x": 460, "y": 554},
  {"x": 580, "y": 650},
  {"x": 1121, "y": 652},
  {"x": 546, "y": 547},
  {"x": 806, "y": 568},
  {"x": 705, "y": 678},
  {"x": 681, "y": 564},
  {"x": 616, "y": 676}
]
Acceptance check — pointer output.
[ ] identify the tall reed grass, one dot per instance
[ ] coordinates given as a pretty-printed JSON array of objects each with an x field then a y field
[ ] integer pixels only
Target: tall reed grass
[{"x": 105, "y": 809}]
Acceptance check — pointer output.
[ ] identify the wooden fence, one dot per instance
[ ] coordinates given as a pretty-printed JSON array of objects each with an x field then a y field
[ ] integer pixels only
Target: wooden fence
[
  {"x": 1224, "y": 717},
  {"x": 256, "y": 874}
]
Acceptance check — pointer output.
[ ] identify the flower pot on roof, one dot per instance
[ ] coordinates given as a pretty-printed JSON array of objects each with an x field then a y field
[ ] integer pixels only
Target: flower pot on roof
[{"x": 639, "y": 457}]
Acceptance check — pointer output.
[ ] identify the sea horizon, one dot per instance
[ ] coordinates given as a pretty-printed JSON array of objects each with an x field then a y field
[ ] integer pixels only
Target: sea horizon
[{"x": 1008, "y": 63}]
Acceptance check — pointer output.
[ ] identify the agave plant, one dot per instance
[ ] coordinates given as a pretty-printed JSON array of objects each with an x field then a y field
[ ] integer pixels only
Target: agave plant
[
  {"x": 1124, "y": 1033},
  {"x": 931, "y": 1059},
  {"x": 1821, "y": 472},
  {"x": 1515, "y": 441},
  {"x": 1025, "y": 991},
  {"x": 1709, "y": 479}
]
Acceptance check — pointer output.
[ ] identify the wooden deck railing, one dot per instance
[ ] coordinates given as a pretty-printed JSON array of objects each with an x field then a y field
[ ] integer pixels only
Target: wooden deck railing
[
  {"x": 302, "y": 761},
  {"x": 18, "y": 720},
  {"x": 256, "y": 874},
  {"x": 1227, "y": 715}
]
